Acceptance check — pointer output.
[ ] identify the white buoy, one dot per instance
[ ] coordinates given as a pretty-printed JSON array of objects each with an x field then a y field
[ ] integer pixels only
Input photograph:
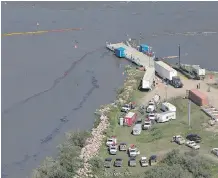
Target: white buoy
[{"x": 37, "y": 23}]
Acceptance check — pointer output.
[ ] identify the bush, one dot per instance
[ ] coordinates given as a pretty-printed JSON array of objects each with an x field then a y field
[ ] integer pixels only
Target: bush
[
  {"x": 120, "y": 90},
  {"x": 78, "y": 138},
  {"x": 97, "y": 165},
  {"x": 197, "y": 166},
  {"x": 174, "y": 171},
  {"x": 67, "y": 162}
]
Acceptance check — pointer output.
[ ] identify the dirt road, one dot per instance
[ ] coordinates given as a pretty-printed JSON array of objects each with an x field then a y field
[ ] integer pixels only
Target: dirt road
[{"x": 167, "y": 91}]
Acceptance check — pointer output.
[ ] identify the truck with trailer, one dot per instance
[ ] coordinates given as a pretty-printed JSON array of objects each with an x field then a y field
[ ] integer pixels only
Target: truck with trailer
[
  {"x": 148, "y": 79},
  {"x": 167, "y": 73},
  {"x": 198, "y": 72}
]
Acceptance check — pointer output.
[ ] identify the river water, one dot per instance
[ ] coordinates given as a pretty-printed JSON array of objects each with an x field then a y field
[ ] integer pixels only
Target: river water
[{"x": 45, "y": 78}]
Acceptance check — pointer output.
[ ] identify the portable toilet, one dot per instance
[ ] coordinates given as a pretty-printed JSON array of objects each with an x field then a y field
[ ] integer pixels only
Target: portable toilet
[
  {"x": 121, "y": 121},
  {"x": 144, "y": 48},
  {"x": 130, "y": 119},
  {"x": 120, "y": 52}
]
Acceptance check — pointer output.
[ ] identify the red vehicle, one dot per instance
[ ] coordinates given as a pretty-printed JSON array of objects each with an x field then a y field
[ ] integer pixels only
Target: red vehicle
[{"x": 130, "y": 119}]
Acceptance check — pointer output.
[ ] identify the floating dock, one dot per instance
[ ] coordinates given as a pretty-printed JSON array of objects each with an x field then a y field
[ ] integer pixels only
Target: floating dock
[{"x": 133, "y": 54}]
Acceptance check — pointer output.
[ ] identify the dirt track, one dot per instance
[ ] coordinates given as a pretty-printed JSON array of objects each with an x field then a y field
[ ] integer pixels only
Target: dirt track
[{"x": 170, "y": 92}]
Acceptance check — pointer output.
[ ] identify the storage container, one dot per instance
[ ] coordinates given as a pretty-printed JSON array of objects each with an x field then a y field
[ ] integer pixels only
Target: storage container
[
  {"x": 144, "y": 48},
  {"x": 130, "y": 119},
  {"x": 120, "y": 52},
  {"x": 198, "y": 97}
]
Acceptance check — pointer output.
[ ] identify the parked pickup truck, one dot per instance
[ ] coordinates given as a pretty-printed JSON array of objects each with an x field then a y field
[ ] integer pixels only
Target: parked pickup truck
[
  {"x": 144, "y": 162},
  {"x": 151, "y": 107},
  {"x": 113, "y": 149},
  {"x": 123, "y": 147},
  {"x": 107, "y": 162},
  {"x": 137, "y": 129},
  {"x": 178, "y": 139},
  {"x": 132, "y": 162},
  {"x": 192, "y": 145},
  {"x": 111, "y": 141},
  {"x": 215, "y": 151},
  {"x": 133, "y": 151},
  {"x": 127, "y": 107},
  {"x": 118, "y": 162},
  {"x": 147, "y": 125},
  {"x": 152, "y": 116}
]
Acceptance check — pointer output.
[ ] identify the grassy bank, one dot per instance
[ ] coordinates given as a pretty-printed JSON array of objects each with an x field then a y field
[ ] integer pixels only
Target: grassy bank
[{"x": 157, "y": 140}]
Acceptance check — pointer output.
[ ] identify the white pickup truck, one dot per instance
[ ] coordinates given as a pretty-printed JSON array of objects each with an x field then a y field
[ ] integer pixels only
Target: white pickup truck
[
  {"x": 133, "y": 151},
  {"x": 151, "y": 107},
  {"x": 178, "y": 139},
  {"x": 215, "y": 151},
  {"x": 111, "y": 141},
  {"x": 192, "y": 145},
  {"x": 147, "y": 125},
  {"x": 127, "y": 107},
  {"x": 113, "y": 149},
  {"x": 144, "y": 162}
]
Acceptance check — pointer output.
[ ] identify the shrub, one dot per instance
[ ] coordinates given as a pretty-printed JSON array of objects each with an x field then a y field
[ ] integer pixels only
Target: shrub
[
  {"x": 78, "y": 138},
  {"x": 67, "y": 162},
  {"x": 97, "y": 165}
]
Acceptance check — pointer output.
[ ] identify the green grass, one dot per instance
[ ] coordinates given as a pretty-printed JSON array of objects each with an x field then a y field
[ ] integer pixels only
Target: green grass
[{"x": 157, "y": 140}]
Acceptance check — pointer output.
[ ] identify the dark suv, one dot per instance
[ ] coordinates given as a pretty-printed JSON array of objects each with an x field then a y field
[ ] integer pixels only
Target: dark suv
[{"x": 194, "y": 137}]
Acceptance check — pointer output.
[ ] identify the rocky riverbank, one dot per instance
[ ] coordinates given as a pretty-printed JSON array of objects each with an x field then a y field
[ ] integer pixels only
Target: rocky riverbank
[{"x": 98, "y": 134}]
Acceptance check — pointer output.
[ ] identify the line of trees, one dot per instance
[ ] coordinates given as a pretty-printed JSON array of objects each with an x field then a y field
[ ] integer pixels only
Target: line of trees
[
  {"x": 174, "y": 165},
  {"x": 67, "y": 162}
]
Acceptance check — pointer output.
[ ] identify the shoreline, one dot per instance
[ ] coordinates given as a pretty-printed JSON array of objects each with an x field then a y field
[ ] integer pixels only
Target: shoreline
[
  {"x": 106, "y": 121},
  {"x": 102, "y": 127}
]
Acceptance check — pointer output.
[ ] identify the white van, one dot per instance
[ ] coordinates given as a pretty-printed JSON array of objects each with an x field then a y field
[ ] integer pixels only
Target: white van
[
  {"x": 168, "y": 107},
  {"x": 137, "y": 129},
  {"x": 166, "y": 116}
]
